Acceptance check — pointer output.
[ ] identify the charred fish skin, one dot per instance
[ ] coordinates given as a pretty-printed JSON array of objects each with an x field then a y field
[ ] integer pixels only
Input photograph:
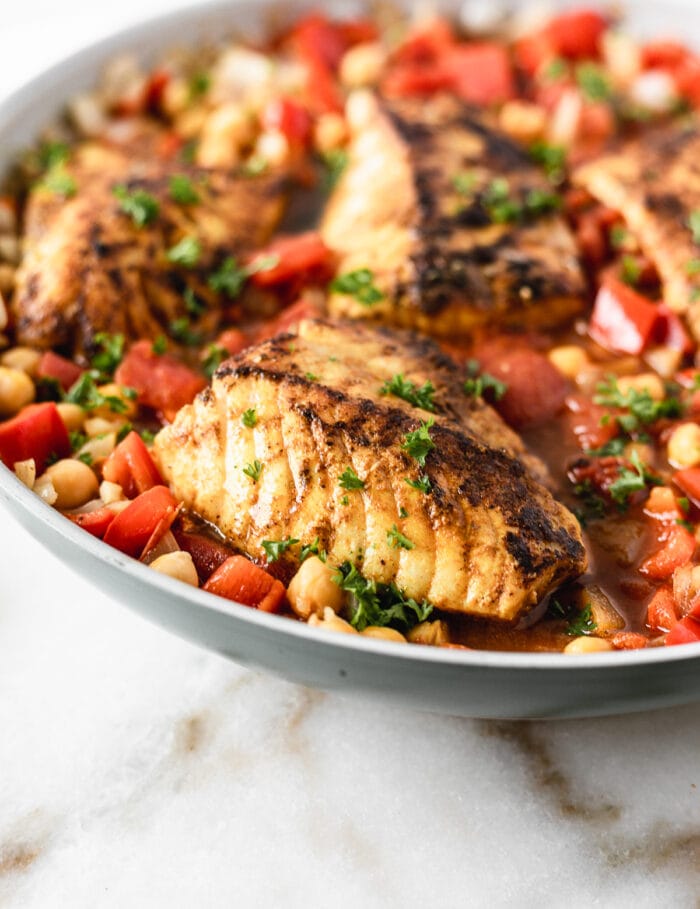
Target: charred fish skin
[
  {"x": 88, "y": 268},
  {"x": 447, "y": 265},
  {"x": 482, "y": 536}
]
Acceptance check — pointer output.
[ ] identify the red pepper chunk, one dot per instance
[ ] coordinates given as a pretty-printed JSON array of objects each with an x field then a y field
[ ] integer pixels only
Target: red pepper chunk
[
  {"x": 53, "y": 366},
  {"x": 95, "y": 522},
  {"x": 623, "y": 321},
  {"x": 688, "y": 480},
  {"x": 289, "y": 118},
  {"x": 687, "y": 631},
  {"x": 240, "y": 580},
  {"x": 161, "y": 381},
  {"x": 132, "y": 467},
  {"x": 36, "y": 432},
  {"x": 134, "y": 528},
  {"x": 677, "y": 550},
  {"x": 480, "y": 73},
  {"x": 299, "y": 257},
  {"x": 661, "y": 611}
]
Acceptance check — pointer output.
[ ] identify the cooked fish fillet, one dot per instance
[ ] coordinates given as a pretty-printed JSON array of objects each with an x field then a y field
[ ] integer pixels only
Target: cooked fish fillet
[
  {"x": 87, "y": 268},
  {"x": 488, "y": 540},
  {"x": 654, "y": 183},
  {"x": 412, "y": 206}
]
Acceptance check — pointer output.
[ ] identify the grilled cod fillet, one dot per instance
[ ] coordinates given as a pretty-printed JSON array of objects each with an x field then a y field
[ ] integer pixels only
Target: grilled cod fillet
[
  {"x": 654, "y": 183},
  {"x": 411, "y": 206},
  {"x": 488, "y": 539},
  {"x": 87, "y": 268}
]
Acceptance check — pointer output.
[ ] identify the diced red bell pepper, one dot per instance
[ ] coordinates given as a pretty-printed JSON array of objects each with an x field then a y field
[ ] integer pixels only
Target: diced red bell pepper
[
  {"x": 36, "y": 432},
  {"x": 663, "y": 54},
  {"x": 95, "y": 522},
  {"x": 623, "y": 321},
  {"x": 688, "y": 480},
  {"x": 299, "y": 257},
  {"x": 592, "y": 424},
  {"x": 132, "y": 466},
  {"x": 289, "y": 118},
  {"x": 207, "y": 554},
  {"x": 320, "y": 45},
  {"x": 671, "y": 332},
  {"x": 628, "y": 640},
  {"x": 240, "y": 580},
  {"x": 233, "y": 340},
  {"x": 134, "y": 528},
  {"x": 426, "y": 43},
  {"x": 676, "y": 551},
  {"x": 161, "y": 381},
  {"x": 685, "y": 631},
  {"x": 661, "y": 611},
  {"x": 663, "y": 506},
  {"x": 687, "y": 79},
  {"x": 289, "y": 317},
  {"x": 480, "y": 73},
  {"x": 574, "y": 35},
  {"x": 53, "y": 366},
  {"x": 155, "y": 87}
]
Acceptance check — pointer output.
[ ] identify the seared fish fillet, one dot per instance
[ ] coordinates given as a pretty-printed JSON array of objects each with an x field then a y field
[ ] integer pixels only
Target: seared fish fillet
[
  {"x": 654, "y": 183},
  {"x": 488, "y": 539},
  {"x": 414, "y": 207},
  {"x": 87, "y": 268}
]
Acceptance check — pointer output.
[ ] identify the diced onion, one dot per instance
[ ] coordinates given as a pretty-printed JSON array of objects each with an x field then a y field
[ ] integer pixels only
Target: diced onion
[
  {"x": 655, "y": 90},
  {"x": 25, "y": 471},
  {"x": 44, "y": 488},
  {"x": 167, "y": 543}
]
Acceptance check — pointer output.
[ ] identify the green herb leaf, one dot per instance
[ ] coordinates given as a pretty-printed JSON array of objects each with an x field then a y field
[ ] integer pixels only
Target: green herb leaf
[
  {"x": 77, "y": 440},
  {"x": 85, "y": 457},
  {"x": 630, "y": 270},
  {"x": 110, "y": 354},
  {"x": 142, "y": 207},
  {"x": 312, "y": 549},
  {"x": 592, "y": 505},
  {"x": 418, "y": 444},
  {"x": 182, "y": 190},
  {"x": 186, "y": 253},
  {"x": 358, "y": 284},
  {"x": 249, "y": 418},
  {"x": 335, "y": 161},
  {"x": 694, "y": 225},
  {"x": 253, "y": 470},
  {"x": 160, "y": 345},
  {"x": 311, "y": 376},
  {"x": 465, "y": 183},
  {"x": 85, "y": 394},
  {"x": 402, "y": 388},
  {"x": 254, "y": 166},
  {"x": 631, "y": 481},
  {"x": 593, "y": 82},
  {"x": 552, "y": 158},
  {"x": 147, "y": 435},
  {"x": 612, "y": 449},
  {"x": 582, "y": 624},
  {"x": 53, "y": 154},
  {"x": 641, "y": 408},
  {"x": 479, "y": 383},
  {"x": 350, "y": 480},
  {"x": 215, "y": 356},
  {"x": 59, "y": 182},
  {"x": 422, "y": 484},
  {"x": 373, "y": 603},
  {"x": 181, "y": 330},
  {"x": 274, "y": 549},
  {"x": 229, "y": 279},
  {"x": 397, "y": 540},
  {"x": 199, "y": 85}
]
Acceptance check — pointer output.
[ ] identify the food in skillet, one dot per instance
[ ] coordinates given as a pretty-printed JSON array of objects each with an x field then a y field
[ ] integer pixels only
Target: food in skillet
[{"x": 137, "y": 266}]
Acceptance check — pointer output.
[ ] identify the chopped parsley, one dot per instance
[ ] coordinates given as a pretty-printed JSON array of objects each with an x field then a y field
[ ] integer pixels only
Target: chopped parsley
[
  {"x": 77, "y": 440},
  {"x": 229, "y": 278},
  {"x": 619, "y": 236},
  {"x": 465, "y": 182},
  {"x": 181, "y": 330},
  {"x": 692, "y": 267},
  {"x": 614, "y": 448},
  {"x": 141, "y": 206},
  {"x": 182, "y": 190},
  {"x": 85, "y": 457},
  {"x": 147, "y": 435},
  {"x": 59, "y": 182},
  {"x": 592, "y": 506},
  {"x": 402, "y": 388},
  {"x": 422, "y": 484},
  {"x": 418, "y": 444},
  {"x": 479, "y": 383},
  {"x": 215, "y": 356},
  {"x": 334, "y": 162},
  {"x": 274, "y": 549},
  {"x": 193, "y": 304},
  {"x": 249, "y": 418},
  {"x": 374, "y": 603},
  {"x": 402, "y": 512},
  {"x": 312, "y": 549},
  {"x": 350, "y": 480},
  {"x": 555, "y": 70},
  {"x": 593, "y": 82},
  {"x": 552, "y": 159},
  {"x": 311, "y": 376},
  {"x": 110, "y": 353},
  {"x": 345, "y": 501},
  {"x": 199, "y": 85},
  {"x": 358, "y": 284},
  {"x": 53, "y": 154},
  {"x": 630, "y": 270},
  {"x": 630, "y": 480},
  {"x": 397, "y": 540},
  {"x": 186, "y": 253},
  {"x": 503, "y": 208},
  {"x": 124, "y": 432},
  {"x": 160, "y": 345},
  {"x": 582, "y": 623},
  {"x": 253, "y": 470},
  {"x": 641, "y": 408},
  {"x": 694, "y": 225},
  {"x": 85, "y": 393},
  {"x": 254, "y": 166}
]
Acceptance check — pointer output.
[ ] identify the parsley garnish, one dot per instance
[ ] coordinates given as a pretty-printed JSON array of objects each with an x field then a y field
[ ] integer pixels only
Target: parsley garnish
[
  {"x": 186, "y": 253},
  {"x": 311, "y": 376},
  {"x": 276, "y": 548},
  {"x": 358, "y": 284},
  {"x": 312, "y": 549},
  {"x": 592, "y": 505},
  {"x": 350, "y": 480},
  {"x": 630, "y": 270},
  {"x": 345, "y": 500},
  {"x": 254, "y": 166},
  {"x": 85, "y": 394},
  {"x": 335, "y": 161},
  {"x": 692, "y": 267},
  {"x": 160, "y": 345},
  {"x": 253, "y": 470},
  {"x": 502, "y": 208},
  {"x": 465, "y": 182},
  {"x": 641, "y": 408},
  {"x": 582, "y": 624},
  {"x": 630, "y": 481},
  {"x": 124, "y": 432},
  {"x": 53, "y": 154},
  {"x": 552, "y": 159},
  {"x": 249, "y": 418},
  {"x": 142, "y": 207},
  {"x": 215, "y": 356},
  {"x": 193, "y": 304},
  {"x": 614, "y": 448},
  {"x": 181, "y": 330},
  {"x": 418, "y": 444},
  {"x": 397, "y": 540},
  {"x": 182, "y": 190},
  {"x": 147, "y": 435},
  {"x": 694, "y": 224},
  {"x": 85, "y": 457},
  {"x": 77, "y": 440},
  {"x": 374, "y": 603},
  {"x": 422, "y": 484},
  {"x": 593, "y": 82},
  {"x": 199, "y": 85},
  {"x": 402, "y": 388},
  {"x": 229, "y": 278},
  {"x": 479, "y": 383},
  {"x": 59, "y": 182},
  {"x": 556, "y": 69},
  {"x": 110, "y": 354}
]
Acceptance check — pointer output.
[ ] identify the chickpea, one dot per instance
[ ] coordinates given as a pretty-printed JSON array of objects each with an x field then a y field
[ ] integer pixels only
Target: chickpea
[
  {"x": 331, "y": 622},
  {"x": 383, "y": 634},
  {"x": 362, "y": 65},
  {"x": 523, "y": 120},
  {"x": 435, "y": 633},
  {"x": 684, "y": 446},
  {"x": 587, "y": 644},
  {"x": 312, "y": 589},
  {"x": 23, "y": 358},
  {"x": 16, "y": 390},
  {"x": 225, "y": 132},
  {"x": 73, "y": 416},
  {"x": 330, "y": 132},
  {"x": 569, "y": 360},
  {"x": 178, "y": 565},
  {"x": 644, "y": 381},
  {"x": 272, "y": 146},
  {"x": 74, "y": 482}
]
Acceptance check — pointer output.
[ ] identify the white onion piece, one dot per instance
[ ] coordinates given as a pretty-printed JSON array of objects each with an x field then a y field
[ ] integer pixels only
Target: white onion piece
[
  {"x": 88, "y": 507},
  {"x": 167, "y": 543},
  {"x": 482, "y": 17},
  {"x": 654, "y": 90},
  {"x": 25, "y": 471},
  {"x": 44, "y": 488},
  {"x": 564, "y": 125},
  {"x": 241, "y": 74}
]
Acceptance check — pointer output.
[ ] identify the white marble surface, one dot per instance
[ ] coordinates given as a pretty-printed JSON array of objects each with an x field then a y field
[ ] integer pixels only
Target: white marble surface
[{"x": 137, "y": 770}]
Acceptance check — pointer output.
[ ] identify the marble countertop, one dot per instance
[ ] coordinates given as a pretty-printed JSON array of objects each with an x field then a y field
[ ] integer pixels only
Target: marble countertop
[{"x": 137, "y": 770}]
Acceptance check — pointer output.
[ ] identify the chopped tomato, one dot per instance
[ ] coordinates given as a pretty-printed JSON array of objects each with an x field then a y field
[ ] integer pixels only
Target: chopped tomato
[
  {"x": 480, "y": 73},
  {"x": 677, "y": 550},
  {"x": 207, "y": 554},
  {"x": 53, "y": 366},
  {"x": 155, "y": 88},
  {"x": 536, "y": 390},
  {"x": 663, "y": 54},
  {"x": 161, "y": 381},
  {"x": 37, "y": 432},
  {"x": 320, "y": 46},
  {"x": 426, "y": 43},
  {"x": 233, "y": 340},
  {"x": 574, "y": 35},
  {"x": 597, "y": 122},
  {"x": 289, "y": 118},
  {"x": 623, "y": 321},
  {"x": 357, "y": 31},
  {"x": 240, "y": 580},
  {"x": 302, "y": 309},
  {"x": 663, "y": 506},
  {"x": 300, "y": 257},
  {"x": 687, "y": 78},
  {"x": 688, "y": 480},
  {"x": 628, "y": 640},
  {"x": 661, "y": 611},
  {"x": 134, "y": 528},
  {"x": 685, "y": 631},
  {"x": 671, "y": 332},
  {"x": 95, "y": 522},
  {"x": 132, "y": 467}
]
